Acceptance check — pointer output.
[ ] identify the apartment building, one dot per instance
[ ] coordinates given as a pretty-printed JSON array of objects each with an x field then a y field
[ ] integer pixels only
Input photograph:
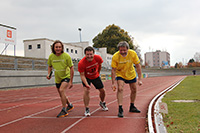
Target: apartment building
[{"x": 157, "y": 59}]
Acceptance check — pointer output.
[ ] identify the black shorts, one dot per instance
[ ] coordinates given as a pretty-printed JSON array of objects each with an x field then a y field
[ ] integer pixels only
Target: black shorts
[
  {"x": 96, "y": 82},
  {"x": 127, "y": 81},
  {"x": 63, "y": 80}
]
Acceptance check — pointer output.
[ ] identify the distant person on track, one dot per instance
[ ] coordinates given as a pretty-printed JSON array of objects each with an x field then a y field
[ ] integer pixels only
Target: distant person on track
[
  {"x": 194, "y": 72},
  {"x": 89, "y": 68},
  {"x": 64, "y": 71},
  {"x": 124, "y": 72}
]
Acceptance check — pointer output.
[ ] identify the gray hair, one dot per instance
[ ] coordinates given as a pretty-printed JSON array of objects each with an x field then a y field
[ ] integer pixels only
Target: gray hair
[{"x": 123, "y": 44}]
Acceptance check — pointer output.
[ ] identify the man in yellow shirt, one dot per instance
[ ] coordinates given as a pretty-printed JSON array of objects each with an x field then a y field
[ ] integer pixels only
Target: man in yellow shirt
[{"x": 124, "y": 72}]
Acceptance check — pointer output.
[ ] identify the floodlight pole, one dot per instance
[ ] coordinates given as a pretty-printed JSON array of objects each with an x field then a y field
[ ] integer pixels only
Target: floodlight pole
[{"x": 80, "y": 33}]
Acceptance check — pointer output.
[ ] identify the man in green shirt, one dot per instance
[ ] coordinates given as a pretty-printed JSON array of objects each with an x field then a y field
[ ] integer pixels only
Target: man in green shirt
[{"x": 64, "y": 72}]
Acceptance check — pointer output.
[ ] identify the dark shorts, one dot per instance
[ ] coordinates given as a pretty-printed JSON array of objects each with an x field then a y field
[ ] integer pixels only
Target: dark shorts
[
  {"x": 96, "y": 82},
  {"x": 127, "y": 81},
  {"x": 63, "y": 80}
]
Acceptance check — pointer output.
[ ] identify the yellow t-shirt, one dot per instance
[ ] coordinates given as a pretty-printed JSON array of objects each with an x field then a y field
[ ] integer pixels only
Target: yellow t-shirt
[
  {"x": 124, "y": 65},
  {"x": 61, "y": 65}
]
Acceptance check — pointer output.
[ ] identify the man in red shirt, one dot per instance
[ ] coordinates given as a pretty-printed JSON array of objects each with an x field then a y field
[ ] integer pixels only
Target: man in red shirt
[{"x": 89, "y": 68}]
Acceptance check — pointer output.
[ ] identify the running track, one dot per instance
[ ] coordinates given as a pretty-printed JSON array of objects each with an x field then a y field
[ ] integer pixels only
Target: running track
[{"x": 34, "y": 110}]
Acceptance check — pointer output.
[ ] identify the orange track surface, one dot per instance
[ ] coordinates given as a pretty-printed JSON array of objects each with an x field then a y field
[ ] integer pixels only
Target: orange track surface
[{"x": 34, "y": 110}]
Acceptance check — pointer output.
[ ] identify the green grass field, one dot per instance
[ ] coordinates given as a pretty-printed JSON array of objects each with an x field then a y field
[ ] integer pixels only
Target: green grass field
[{"x": 183, "y": 117}]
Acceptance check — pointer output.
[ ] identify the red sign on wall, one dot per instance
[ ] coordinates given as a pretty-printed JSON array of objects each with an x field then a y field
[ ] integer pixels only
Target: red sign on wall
[{"x": 9, "y": 33}]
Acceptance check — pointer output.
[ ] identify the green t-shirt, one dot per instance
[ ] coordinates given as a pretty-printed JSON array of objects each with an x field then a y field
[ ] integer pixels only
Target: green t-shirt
[{"x": 61, "y": 65}]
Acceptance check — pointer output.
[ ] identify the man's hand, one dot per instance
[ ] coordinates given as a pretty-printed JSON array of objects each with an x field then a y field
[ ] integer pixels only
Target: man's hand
[
  {"x": 88, "y": 87},
  {"x": 70, "y": 85},
  {"x": 139, "y": 82},
  {"x": 48, "y": 77},
  {"x": 113, "y": 87}
]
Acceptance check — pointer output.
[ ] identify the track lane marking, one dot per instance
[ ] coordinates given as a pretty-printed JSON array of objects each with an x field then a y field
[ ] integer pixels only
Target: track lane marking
[
  {"x": 83, "y": 117},
  {"x": 29, "y": 116},
  {"x": 16, "y": 120},
  {"x": 74, "y": 117}
]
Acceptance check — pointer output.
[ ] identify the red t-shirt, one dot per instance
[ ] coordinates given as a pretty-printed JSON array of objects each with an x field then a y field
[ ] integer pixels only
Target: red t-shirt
[{"x": 90, "y": 68}]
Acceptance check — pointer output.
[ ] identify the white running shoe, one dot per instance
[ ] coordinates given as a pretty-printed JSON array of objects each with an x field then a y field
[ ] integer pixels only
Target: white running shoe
[
  {"x": 87, "y": 112},
  {"x": 103, "y": 105}
]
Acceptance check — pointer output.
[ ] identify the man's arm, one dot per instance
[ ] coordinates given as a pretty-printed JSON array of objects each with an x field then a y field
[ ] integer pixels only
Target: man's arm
[
  {"x": 99, "y": 68},
  {"x": 49, "y": 71},
  {"x": 113, "y": 74},
  {"x": 71, "y": 77},
  {"x": 83, "y": 78},
  {"x": 139, "y": 72}
]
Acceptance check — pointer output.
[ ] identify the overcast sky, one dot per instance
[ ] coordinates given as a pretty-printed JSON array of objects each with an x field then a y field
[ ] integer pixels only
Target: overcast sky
[{"x": 170, "y": 25}]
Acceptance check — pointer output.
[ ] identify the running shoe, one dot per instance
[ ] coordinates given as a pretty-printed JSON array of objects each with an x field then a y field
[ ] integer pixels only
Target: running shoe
[
  {"x": 134, "y": 109},
  {"x": 87, "y": 112},
  {"x": 103, "y": 105},
  {"x": 62, "y": 113},
  {"x": 120, "y": 114},
  {"x": 69, "y": 107}
]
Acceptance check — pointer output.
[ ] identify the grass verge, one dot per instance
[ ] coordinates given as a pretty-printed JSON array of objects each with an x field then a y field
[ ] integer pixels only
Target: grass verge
[{"x": 182, "y": 116}]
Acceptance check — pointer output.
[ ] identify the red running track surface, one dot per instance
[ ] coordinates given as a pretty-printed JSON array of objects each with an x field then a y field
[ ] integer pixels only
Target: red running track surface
[{"x": 34, "y": 110}]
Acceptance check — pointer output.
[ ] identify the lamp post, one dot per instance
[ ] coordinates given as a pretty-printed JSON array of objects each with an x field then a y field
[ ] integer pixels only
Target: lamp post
[{"x": 80, "y": 33}]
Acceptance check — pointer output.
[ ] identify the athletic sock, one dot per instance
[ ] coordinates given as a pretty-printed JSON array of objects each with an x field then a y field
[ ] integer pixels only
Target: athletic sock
[
  {"x": 132, "y": 105},
  {"x": 63, "y": 108},
  {"x": 120, "y": 106},
  {"x": 120, "y": 109}
]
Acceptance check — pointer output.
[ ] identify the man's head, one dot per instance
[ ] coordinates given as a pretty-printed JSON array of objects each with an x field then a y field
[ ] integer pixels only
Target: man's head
[
  {"x": 89, "y": 53},
  {"x": 123, "y": 47},
  {"x": 57, "y": 47}
]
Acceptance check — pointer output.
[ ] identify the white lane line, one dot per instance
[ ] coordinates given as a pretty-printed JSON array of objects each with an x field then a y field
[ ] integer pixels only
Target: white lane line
[
  {"x": 2, "y": 125},
  {"x": 68, "y": 128},
  {"x": 73, "y": 125},
  {"x": 74, "y": 117},
  {"x": 83, "y": 117},
  {"x": 25, "y": 98},
  {"x": 16, "y": 106},
  {"x": 29, "y": 116},
  {"x": 150, "y": 112}
]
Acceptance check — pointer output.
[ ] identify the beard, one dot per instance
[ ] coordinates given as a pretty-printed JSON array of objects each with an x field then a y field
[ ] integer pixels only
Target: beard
[
  {"x": 89, "y": 58},
  {"x": 124, "y": 54}
]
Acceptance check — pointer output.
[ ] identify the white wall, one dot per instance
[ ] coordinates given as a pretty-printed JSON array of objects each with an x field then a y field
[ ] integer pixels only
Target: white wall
[
  {"x": 35, "y": 52},
  {"x": 149, "y": 58},
  {"x": 72, "y": 49},
  {"x": 45, "y": 49},
  {"x": 109, "y": 60}
]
